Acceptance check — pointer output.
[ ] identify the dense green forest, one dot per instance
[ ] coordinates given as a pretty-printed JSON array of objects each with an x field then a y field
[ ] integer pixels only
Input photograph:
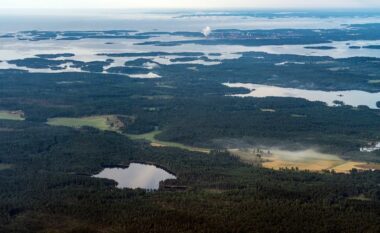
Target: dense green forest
[
  {"x": 48, "y": 189},
  {"x": 192, "y": 107}
]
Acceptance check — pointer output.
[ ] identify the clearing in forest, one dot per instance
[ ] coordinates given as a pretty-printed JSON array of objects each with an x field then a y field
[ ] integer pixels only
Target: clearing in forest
[
  {"x": 151, "y": 137},
  {"x": 375, "y": 81},
  {"x": 310, "y": 159},
  {"x": 113, "y": 123},
  {"x": 4, "y": 166},
  {"x": 105, "y": 122},
  {"x": 12, "y": 115}
]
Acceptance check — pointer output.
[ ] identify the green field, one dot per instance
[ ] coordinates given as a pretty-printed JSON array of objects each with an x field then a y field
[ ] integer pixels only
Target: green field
[
  {"x": 375, "y": 81},
  {"x": 12, "y": 115},
  {"x": 108, "y": 122},
  {"x": 4, "y": 166},
  {"x": 111, "y": 123},
  {"x": 151, "y": 137},
  {"x": 298, "y": 116}
]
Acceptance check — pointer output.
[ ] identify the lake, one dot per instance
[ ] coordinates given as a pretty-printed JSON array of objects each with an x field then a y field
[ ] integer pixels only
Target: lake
[
  {"x": 137, "y": 175},
  {"x": 354, "y": 98}
]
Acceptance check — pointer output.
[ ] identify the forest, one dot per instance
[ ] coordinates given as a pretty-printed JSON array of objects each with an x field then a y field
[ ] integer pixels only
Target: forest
[
  {"x": 48, "y": 189},
  {"x": 45, "y": 170}
]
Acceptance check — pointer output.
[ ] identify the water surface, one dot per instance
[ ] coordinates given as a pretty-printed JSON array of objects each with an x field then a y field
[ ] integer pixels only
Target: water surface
[
  {"x": 354, "y": 98},
  {"x": 137, "y": 175}
]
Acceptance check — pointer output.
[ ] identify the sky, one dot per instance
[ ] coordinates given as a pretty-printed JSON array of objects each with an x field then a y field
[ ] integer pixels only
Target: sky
[{"x": 149, "y": 4}]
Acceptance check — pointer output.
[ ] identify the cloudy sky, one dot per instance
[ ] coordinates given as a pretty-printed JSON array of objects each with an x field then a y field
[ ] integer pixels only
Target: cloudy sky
[{"x": 189, "y": 3}]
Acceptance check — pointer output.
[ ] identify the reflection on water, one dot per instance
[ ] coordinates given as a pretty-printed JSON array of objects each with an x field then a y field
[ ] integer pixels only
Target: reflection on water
[
  {"x": 148, "y": 75},
  {"x": 136, "y": 176},
  {"x": 354, "y": 98},
  {"x": 87, "y": 50}
]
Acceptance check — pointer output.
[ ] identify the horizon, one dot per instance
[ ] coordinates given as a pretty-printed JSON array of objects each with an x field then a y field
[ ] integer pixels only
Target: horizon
[
  {"x": 195, "y": 4},
  {"x": 184, "y": 10}
]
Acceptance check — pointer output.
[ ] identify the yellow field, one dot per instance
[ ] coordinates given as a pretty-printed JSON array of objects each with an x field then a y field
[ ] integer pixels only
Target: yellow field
[
  {"x": 151, "y": 137},
  {"x": 349, "y": 165},
  {"x": 12, "y": 115},
  {"x": 106, "y": 122},
  {"x": 303, "y": 160},
  {"x": 369, "y": 166},
  {"x": 246, "y": 155}
]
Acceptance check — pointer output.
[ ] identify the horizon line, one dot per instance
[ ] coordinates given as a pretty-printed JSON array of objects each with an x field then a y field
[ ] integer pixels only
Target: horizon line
[{"x": 195, "y": 8}]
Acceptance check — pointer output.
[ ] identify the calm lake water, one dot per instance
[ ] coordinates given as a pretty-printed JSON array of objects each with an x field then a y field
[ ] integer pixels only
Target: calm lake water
[
  {"x": 353, "y": 98},
  {"x": 341, "y": 49},
  {"x": 87, "y": 49},
  {"x": 136, "y": 176}
]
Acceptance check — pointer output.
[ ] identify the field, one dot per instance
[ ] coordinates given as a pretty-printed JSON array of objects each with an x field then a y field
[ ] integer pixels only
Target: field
[
  {"x": 151, "y": 137},
  {"x": 267, "y": 110},
  {"x": 112, "y": 123},
  {"x": 274, "y": 159},
  {"x": 12, "y": 115},
  {"x": 303, "y": 160},
  {"x": 4, "y": 166},
  {"x": 248, "y": 156},
  {"x": 347, "y": 166},
  {"x": 375, "y": 81},
  {"x": 105, "y": 122}
]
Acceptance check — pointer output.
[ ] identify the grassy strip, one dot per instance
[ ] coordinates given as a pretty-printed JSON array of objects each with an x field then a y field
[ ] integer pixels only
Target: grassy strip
[
  {"x": 12, "y": 115},
  {"x": 151, "y": 137}
]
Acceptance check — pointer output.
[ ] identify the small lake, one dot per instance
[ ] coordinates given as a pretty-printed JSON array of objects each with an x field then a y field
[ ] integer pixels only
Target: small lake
[
  {"x": 353, "y": 98},
  {"x": 137, "y": 175}
]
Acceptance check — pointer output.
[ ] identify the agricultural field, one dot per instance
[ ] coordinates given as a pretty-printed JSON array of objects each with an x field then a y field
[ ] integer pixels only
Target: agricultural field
[
  {"x": 112, "y": 123},
  {"x": 310, "y": 160},
  {"x": 151, "y": 137},
  {"x": 12, "y": 115},
  {"x": 4, "y": 166},
  {"x": 374, "y": 81},
  {"x": 105, "y": 122}
]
